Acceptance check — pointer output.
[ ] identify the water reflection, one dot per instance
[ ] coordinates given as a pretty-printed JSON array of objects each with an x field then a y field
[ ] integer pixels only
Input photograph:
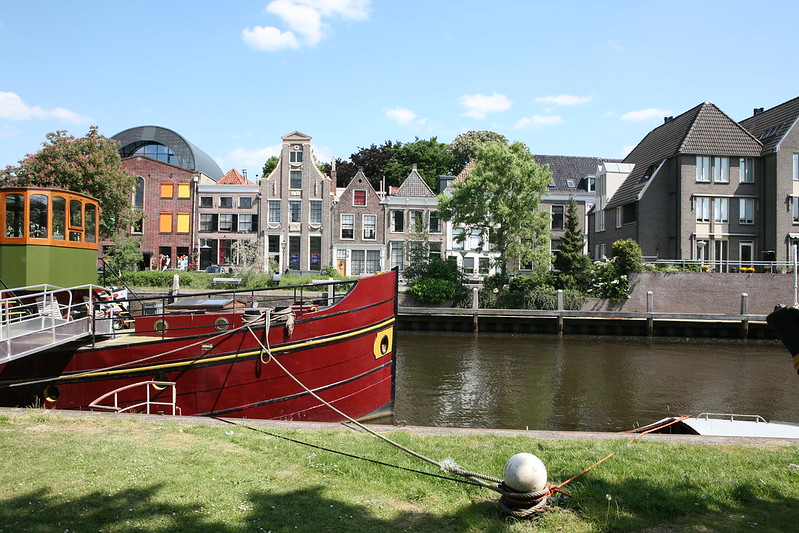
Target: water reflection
[{"x": 585, "y": 383}]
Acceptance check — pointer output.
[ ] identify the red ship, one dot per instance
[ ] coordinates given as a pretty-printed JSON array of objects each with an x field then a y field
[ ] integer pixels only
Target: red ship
[{"x": 281, "y": 353}]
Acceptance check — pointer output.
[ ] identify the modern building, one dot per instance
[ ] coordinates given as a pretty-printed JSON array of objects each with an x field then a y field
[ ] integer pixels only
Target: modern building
[{"x": 168, "y": 169}]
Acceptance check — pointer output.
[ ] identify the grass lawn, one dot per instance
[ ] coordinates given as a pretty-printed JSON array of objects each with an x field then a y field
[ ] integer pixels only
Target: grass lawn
[{"x": 106, "y": 473}]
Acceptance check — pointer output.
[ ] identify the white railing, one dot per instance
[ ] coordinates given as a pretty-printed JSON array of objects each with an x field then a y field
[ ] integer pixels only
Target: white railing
[{"x": 147, "y": 403}]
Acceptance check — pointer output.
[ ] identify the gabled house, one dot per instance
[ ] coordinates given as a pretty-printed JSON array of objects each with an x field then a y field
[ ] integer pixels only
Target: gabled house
[
  {"x": 695, "y": 192},
  {"x": 777, "y": 130},
  {"x": 411, "y": 219},
  {"x": 297, "y": 201},
  {"x": 358, "y": 229}
]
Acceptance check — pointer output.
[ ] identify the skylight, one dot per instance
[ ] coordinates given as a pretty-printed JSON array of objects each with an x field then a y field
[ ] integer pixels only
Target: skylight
[{"x": 570, "y": 183}]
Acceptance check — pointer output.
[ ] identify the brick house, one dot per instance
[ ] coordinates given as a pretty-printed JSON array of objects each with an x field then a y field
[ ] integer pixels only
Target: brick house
[
  {"x": 358, "y": 229},
  {"x": 227, "y": 213}
]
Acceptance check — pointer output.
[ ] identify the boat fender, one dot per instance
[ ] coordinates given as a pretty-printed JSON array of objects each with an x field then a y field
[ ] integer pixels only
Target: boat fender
[{"x": 290, "y": 325}]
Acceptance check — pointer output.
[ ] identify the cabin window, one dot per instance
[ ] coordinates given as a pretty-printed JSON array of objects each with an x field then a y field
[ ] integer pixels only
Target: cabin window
[
  {"x": 75, "y": 219},
  {"x": 15, "y": 215},
  {"x": 37, "y": 225},
  {"x": 59, "y": 218},
  {"x": 91, "y": 223}
]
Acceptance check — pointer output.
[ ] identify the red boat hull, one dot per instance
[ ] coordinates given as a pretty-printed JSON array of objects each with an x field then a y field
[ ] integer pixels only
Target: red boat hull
[{"x": 223, "y": 365}]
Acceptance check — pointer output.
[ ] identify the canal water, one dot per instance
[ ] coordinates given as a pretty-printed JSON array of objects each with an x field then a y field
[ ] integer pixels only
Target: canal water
[{"x": 586, "y": 383}]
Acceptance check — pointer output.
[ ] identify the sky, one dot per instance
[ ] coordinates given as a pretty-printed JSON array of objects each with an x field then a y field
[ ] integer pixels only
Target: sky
[{"x": 580, "y": 78}]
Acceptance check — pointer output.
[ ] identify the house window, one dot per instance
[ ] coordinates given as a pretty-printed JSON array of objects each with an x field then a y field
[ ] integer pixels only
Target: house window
[
  {"x": 558, "y": 220},
  {"x": 226, "y": 201},
  {"x": 721, "y": 169},
  {"x": 435, "y": 250},
  {"x": 747, "y": 170},
  {"x": 397, "y": 254},
  {"x": 369, "y": 227},
  {"x": 206, "y": 201},
  {"x": 295, "y": 179},
  {"x": 245, "y": 223},
  {"x": 315, "y": 250},
  {"x": 468, "y": 264},
  {"x": 226, "y": 222},
  {"x": 347, "y": 226},
  {"x": 599, "y": 221},
  {"x": 359, "y": 198},
  {"x": 295, "y": 210},
  {"x": 357, "y": 262},
  {"x": 295, "y": 156},
  {"x": 397, "y": 221},
  {"x": 720, "y": 210},
  {"x": 458, "y": 239},
  {"x": 417, "y": 220},
  {"x": 184, "y": 190},
  {"x": 295, "y": 245},
  {"x": 619, "y": 216},
  {"x": 590, "y": 184},
  {"x": 702, "y": 168},
  {"x": 795, "y": 209},
  {"x": 183, "y": 222},
  {"x": 484, "y": 265},
  {"x": 245, "y": 202},
  {"x": 746, "y": 210},
  {"x": 435, "y": 222},
  {"x": 475, "y": 240},
  {"x": 224, "y": 250},
  {"x": 796, "y": 166},
  {"x": 702, "y": 209},
  {"x": 165, "y": 223},
  {"x": 167, "y": 190},
  {"x": 316, "y": 212},
  {"x": 746, "y": 252},
  {"x": 372, "y": 261},
  {"x": 207, "y": 222},
  {"x": 274, "y": 211}
]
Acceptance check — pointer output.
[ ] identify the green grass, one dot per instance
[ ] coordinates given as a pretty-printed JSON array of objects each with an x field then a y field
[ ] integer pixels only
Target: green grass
[{"x": 105, "y": 473}]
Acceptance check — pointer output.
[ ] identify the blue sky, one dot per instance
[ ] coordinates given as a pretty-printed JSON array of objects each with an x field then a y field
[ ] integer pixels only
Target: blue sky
[{"x": 566, "y": 78}]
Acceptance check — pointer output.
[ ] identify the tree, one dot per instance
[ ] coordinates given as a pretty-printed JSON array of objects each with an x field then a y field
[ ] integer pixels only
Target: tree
[
  {"x": 628, "y": 256},
  {"x": 502, "y": 193},
  {"x": 372, "y": 160},
  {"x": 570, "y": 259},
  {"x": 464, "y": 147},
  {"x": 125, "y": 255},
  {"x": 89, "y": 165},
  {"x": 269, "y": 166},
  {"x": 432, "y": 159}
]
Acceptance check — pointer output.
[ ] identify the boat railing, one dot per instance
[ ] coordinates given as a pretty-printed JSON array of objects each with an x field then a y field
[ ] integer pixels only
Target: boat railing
[
  {"x": 732, "y": 417},
  {"x": 146, "y": 404}
]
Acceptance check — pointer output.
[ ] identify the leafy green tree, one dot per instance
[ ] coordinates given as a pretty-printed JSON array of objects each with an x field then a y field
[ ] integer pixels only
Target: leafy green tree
[
  {"x": 125, "y": 255},
  {"x": 628, "y": 256},
  {"x": 372, "y": 160},
  {"x": 502, "y": 193},
  {"x": 270, "y": 165},
  {"x": 570, "y": 259},
  {"x": 464, "y": 147},
  {"x": 432, "y": 159},
  {"x": 89, "y": 165}
]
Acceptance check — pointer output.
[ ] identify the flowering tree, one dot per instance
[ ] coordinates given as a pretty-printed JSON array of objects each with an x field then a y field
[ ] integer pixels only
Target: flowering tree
[{"x": 89, "y": 165}]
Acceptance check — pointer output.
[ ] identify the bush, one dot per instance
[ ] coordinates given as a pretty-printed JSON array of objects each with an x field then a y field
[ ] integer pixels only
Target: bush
[
  {"x": 539, "y": 279},
  {"x": 628, "y": 257},
  {"x": 608, "y": 283},
  {"x": 432, "y": 290}
]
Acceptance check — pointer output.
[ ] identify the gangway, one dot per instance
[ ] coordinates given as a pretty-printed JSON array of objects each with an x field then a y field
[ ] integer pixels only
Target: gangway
[{"x": 36, "y": 318}]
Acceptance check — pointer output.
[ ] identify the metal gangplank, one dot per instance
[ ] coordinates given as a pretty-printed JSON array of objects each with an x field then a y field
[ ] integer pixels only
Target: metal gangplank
[{"x": 36, "y": 318}]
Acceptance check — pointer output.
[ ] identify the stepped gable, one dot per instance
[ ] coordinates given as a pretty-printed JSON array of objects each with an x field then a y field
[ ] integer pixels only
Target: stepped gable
[
  {"x": 414, "y": 186},
  {"x": 702, "y": 130},
  {"x": 771, "y": 126},
  {"x": 232, "y": 177}
]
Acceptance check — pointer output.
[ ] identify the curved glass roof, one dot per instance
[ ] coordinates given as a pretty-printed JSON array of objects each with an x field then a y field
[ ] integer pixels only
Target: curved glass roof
[{"x": 163, "y": 144}]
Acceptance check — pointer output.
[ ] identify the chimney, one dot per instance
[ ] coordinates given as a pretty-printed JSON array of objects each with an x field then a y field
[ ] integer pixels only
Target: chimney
[
  {"x": 666, "y": 120},
  {"x": 757, "y": 111},
  {"x": 244, "y": 173}
]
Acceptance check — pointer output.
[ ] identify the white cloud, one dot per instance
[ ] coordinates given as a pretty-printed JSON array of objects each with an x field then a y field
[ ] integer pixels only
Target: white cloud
[
  {"x": 404, "y": 117},
  {"x": 538, "y": 120},
  {"x": 12, "y": 107},
  {"x": 304, "y": 20},
  {"x": 252, "y": 160},
  {"x": 645, "y": 114},
  {"x": 479, "y": 105},
  {"x": 564, "y": 99}
]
